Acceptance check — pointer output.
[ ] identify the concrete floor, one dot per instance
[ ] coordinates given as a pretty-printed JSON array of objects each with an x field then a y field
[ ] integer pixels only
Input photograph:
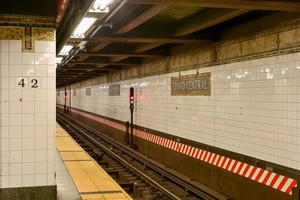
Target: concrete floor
[{"x": 66, "y": 190}]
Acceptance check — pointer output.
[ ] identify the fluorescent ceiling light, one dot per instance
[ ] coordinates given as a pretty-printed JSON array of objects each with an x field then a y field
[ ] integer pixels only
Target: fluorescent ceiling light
[
  {"x": 58, "y": 60},
  {"x": 105, "y": 10},
  {"x": 101, "y": 4},
  {"x": 65, "y": 50},
  {"x": 83, "y": 27}
]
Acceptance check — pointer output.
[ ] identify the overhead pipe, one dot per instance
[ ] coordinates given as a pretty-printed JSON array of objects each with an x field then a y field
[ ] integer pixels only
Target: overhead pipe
[
  {"x": 72, "y": 55},
  {"x": 105, "y": 22}
]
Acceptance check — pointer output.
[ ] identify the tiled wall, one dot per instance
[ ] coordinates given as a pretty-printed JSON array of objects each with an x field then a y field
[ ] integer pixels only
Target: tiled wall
[
  {"x": 254, "y": 108},
  {"x": 27, "y": 114}
]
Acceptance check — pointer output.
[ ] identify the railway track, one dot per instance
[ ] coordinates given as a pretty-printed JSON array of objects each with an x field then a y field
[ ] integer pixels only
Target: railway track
[{"x": 141, "y": 178}]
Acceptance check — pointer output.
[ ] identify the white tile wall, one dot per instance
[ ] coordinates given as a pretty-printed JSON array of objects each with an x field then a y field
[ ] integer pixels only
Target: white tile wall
[
  {"x": 27, "y": 115},
  {"x": 254, "y": 108}
]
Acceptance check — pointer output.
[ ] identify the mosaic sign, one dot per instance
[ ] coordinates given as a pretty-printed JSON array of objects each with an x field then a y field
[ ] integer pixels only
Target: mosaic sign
[
  {"x": 191, "y": 85},
  {"x": 114, "y": 89}
]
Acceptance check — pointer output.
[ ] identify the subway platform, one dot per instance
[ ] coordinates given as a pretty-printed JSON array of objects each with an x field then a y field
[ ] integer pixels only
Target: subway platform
[{"x": 79, "y": 176}]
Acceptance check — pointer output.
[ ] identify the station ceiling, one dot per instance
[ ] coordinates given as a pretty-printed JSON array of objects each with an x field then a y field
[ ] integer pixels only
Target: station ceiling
[
  {"x": 137, "y": 30},
  {"x": 29, "y": 7}
]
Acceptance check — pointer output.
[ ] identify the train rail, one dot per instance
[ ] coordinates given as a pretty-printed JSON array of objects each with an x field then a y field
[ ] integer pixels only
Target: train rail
[{"x": 137, "y": 174}]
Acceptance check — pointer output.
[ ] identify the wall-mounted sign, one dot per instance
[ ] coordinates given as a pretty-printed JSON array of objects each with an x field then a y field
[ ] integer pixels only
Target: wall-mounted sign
[
  {"x": 88, "y": 92},
  {"x": 114, "y": 89},
  {"x": 25, "y": 82},
  {"x": 191, "y": 85}
]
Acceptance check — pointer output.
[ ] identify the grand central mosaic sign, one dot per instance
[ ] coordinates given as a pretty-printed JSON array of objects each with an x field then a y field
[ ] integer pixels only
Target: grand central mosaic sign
[
  {"x": 114, "y": 89},
  {"x": 191, "y": 85}
]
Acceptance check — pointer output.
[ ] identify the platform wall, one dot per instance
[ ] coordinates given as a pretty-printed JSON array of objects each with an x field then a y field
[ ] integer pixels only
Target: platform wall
[{"x": 254, "y": 107}]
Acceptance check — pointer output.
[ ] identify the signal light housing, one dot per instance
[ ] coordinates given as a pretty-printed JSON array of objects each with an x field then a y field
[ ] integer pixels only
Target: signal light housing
[{"x": 131, "y": 95}]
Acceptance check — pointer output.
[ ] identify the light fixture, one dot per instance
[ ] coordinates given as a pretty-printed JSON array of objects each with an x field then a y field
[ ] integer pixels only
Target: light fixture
[
  {"x": 58, "y": 60},
  {"x": 83, "y": 27},
  {"x": 100, "y": 5},
  {"x": 65, "y": 50}
]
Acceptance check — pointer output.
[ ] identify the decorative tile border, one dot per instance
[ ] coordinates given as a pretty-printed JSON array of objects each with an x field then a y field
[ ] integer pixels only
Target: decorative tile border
[
  {"x": 268, "y": 178},
  {"x": 11, "y": 33},
  {"x": 27, "y": 34},
  {"x": 28, "y": 39},
  {"x": 45, "y": 34},
  {"x": 24, "y": 20}
]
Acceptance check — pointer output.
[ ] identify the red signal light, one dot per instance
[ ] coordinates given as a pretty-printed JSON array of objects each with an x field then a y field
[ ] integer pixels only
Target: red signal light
[{"x": 131, "y": 95}]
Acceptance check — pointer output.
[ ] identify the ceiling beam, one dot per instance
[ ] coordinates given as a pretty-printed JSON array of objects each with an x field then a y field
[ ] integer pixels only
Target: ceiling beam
[
  {"x": 192, "y": 25},
  {"x": 100, "y": 46},
  {"x": 120, "y": 55},
  {"x": 206, "y": 20},
  {"x": 231, "y": 4},
  {"x": 124, "y": 39},
  {"x": 148, "y": 14},
  {"x": 105, "y": 63},
  {"x": 145, "y": 16}
]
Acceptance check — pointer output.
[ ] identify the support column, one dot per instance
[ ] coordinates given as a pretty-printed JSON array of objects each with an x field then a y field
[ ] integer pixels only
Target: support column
[{"x": 27, "y": 113}]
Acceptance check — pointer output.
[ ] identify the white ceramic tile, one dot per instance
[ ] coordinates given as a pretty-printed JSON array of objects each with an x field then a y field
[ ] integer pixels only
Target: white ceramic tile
[
  {"x": 28, "y": 131},
  {"x": 15, "y": 94},
  {"x": 28, "y": 120},
  {"x": 5, "y": 157},
  {"x": 41, "y": 119},
  {"x": 28, "y": 94},
  {"x": 41, "y": 46},
  {"x": 4, "y": 132},
  {"x": 5, "y": 169},
  {"x": 28, "y": 58},
  {"x": 15, "y": 58},
  {"x": 41, "y": 155},
  {"x": 15, "y": 169},
  {"x": 28, "y": 180},
  {"x": 28, "y": 70},
  {"x": 3, "y": 58},
  {"x": 51, "y": 179},
  {"x": 28, "y": 167},
  {"x": 41, "y": 95},
  {"x": 52, "y": 59},
  {"x": 41, "y": 167},
  {"x": 4, "y": 83},
  {"x": 41, "y": 131},
  {"x": 15, "y": 156},
  {"x": 41, "y": 179},
  {"x": 51, "y": 132},
  {"x": 51, "y": 143},
  {"x": 15, "y": 132},
  {"x": 28, "y": 107},
  {"x": 15, "y": 107},
  {"x": 3, "y": 45},
  {"x": 41, "y": 107},
  {"x": 28, "y": 143},
  {"x": 41, "y": 58},
  {"x": 41, "y": 143},
  {"x": 15, "y": 119},
  {"x": 14, "y": 45},
  {"x": 4, "y": 70},
  {"x": 15, "y": 181},
  {"x": 41, "y": 70},
  {"x": 15, "y": 144},
  {"x": 4, "y": 107},
  {"x": 51, "y": 158},
  {"x": 5, "y": 181}
]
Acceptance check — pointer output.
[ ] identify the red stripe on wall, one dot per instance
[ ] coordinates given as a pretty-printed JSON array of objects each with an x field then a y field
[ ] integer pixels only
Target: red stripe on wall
[{"x": 204, "y": 155}]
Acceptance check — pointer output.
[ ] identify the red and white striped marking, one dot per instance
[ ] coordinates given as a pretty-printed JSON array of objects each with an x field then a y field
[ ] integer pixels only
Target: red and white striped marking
[{"x": 263, "y": 176}]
